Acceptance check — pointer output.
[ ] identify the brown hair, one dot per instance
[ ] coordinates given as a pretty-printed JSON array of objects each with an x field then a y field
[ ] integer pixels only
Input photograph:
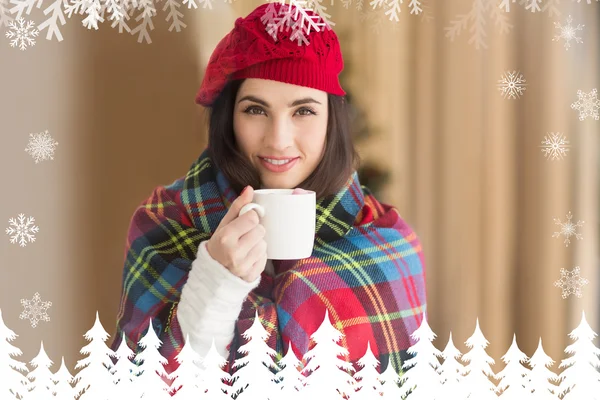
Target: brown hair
[{"x": 339, "y": 161}]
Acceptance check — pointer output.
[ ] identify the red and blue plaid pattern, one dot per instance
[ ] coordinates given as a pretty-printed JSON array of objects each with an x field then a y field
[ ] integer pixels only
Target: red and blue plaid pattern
[{"x": 366, "y": 269}]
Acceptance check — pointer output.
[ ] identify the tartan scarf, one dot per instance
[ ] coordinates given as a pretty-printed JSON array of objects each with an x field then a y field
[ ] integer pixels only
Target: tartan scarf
[{"x": 366, "y": 269}]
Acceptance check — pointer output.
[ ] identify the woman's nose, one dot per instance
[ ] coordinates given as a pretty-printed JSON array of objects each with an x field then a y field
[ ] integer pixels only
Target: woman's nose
[{"x": 279, "y": 135}]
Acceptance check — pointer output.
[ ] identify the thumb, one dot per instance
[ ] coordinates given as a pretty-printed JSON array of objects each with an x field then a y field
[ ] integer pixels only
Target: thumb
[{"x": 244, "y": 198}]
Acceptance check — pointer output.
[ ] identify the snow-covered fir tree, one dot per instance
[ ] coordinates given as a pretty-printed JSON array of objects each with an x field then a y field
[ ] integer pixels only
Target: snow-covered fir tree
[
  {"x": 186, "y": 376},
  {"x": 124, "y": 372},
  {"x": 152, "y": 374},
  {"x": 253, "y": 375},
  {"x": 41, "y": 385},
  {"x": 540, "y": 376},
  {"x": 13, "y": 381},
  {"x": 581, "y": 379},
  {"x": 95, "y": 378},
  {"x": 63, "y": 379},
  {"x": 290, "y": 379},
  {"x": 368, "y": 384},
  {"x": 451, "y": 373},
  {"x": 479, "y": 371},
  {"x": 514, "y": 378},
  {"x": 329, "y": 375},
  {"x": 390, "y": 380},
  {"x": 214, "y": 382},
  {"x": 422, "y": 379}
]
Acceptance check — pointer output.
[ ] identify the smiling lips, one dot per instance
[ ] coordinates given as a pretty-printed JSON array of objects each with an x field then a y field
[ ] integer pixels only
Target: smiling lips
[{"x": 278, "y": 164}]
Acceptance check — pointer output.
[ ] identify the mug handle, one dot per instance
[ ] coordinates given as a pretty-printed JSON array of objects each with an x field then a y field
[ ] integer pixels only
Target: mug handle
[{"x": 252, "y": 206}]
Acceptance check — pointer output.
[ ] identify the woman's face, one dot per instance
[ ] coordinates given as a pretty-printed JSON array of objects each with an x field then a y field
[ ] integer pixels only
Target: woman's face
[{"x": 281, "y": 128}]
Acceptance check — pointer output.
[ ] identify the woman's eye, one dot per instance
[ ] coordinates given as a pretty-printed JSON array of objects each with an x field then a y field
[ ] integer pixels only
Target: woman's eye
[
  {"x": 308, "y": 111},
  {"x": 250, "y": 110}
]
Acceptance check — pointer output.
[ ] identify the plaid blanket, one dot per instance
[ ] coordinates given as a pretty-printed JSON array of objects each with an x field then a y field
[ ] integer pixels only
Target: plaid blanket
[{"x": 366, "y": 269}]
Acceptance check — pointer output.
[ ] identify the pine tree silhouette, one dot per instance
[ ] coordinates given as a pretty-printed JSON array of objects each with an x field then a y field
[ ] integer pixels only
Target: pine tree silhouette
[
  {"x": 368, "y": 383},
  {"x": 290, "y": 379},
  {"x": 125, "y": 371},
  {"x": 452, "y": 373},
  {"x": 514, "y": 378},
  {"x": 390, "y": 379},
  {"x": 422, "y": 378},
  {"x": 477, "y": 381},
  {"x": 63, "y": 379},
  {"x": 186, "y": 376},
  {"x": 540, "y": 376},
  {"x": 213, "y": 377},
  {"x": 253, "y": 375},
  {"x": 151, "y": 381},
  {"x": 329, "y": 375},
  {"x": 42, "y": 386},
  {"x": 581, "y": 379},
  {"x": 94, "y": 381},
  {"x": 13, "y": 381}
]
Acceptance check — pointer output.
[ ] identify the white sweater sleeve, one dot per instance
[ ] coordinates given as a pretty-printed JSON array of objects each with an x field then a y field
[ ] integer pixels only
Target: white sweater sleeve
[{"x": 210, "y": 303}]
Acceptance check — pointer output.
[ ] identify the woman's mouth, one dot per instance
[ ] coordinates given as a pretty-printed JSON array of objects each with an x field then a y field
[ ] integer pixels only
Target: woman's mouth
[{"x": 278, "y": 164}]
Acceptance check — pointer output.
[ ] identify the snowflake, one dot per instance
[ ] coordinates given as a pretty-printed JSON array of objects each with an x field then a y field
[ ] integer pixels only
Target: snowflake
[
  {"x": 568, "y": 229},
  {"x": 393, "y": 7},
  {"x": 22, "y": 34},
  {"x": 512, "y": 85},
  {"x": 534, "y": 6},
  {"x": 568, "y": 32},
  {"x": 587, "y": 104},
  {"x": 570, "y": 282},
  {"x": 555, "y": 147},
  {"x": 294, "y": 16},
  {"x": 35, "y": 310},
  {"x": 41, "y": 146},
  {"x": 22, "y": 230},
  {"x": 475, "y": 22}
]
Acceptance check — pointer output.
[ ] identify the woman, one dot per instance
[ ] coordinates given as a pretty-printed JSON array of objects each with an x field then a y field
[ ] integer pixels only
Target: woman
[{"x": 196, "y": 269}]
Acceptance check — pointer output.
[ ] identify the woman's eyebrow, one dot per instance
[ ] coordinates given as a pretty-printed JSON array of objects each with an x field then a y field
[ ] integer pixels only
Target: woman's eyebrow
[{"x": 255, "y": 99}]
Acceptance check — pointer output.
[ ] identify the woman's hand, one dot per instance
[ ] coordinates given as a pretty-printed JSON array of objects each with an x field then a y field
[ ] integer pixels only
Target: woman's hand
[{"x": 238, "y": 242}]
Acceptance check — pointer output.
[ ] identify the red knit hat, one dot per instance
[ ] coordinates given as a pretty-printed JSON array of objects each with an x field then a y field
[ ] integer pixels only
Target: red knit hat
[{"x": 249, "y": 51}]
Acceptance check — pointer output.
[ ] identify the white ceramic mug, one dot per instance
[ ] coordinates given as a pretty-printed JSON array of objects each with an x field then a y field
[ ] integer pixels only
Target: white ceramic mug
[{"x": 289, "y": 221}]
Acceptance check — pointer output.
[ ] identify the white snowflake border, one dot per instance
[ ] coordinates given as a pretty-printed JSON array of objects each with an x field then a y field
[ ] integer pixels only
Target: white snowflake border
[
  {"x": 35, "y": 310},
  {"x": 555, "y": 147},
  {"x": 22, "y": 230},
  {"x": 571, "y": 282},
  {"x": 135, "y": 16},
  {"x": 568, "y": 229},
  {"x": 41, "y": 146}
]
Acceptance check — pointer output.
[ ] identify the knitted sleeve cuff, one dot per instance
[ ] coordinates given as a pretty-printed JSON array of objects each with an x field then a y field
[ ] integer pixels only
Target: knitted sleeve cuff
[{"x": 211, "y": 301}]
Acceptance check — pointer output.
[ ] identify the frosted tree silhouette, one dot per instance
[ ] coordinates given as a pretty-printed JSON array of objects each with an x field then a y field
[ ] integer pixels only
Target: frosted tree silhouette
[
  {"x": 253, "y": 374},
  {"x": 452, "y": 373},
  {"x": 95, "y": 378},
  {"x": 13, "y": 381},
  {"x": 42, "y": 385},
  {"x": 212, "y": 383},
  {"x": 581, "y": 380},
  {"x": 368, "y": 383},
  {"x": 540, "y": 376},
  {"x": 389, "y": 383},
  {"x": 514, "y": 378},
  {"x": 289, "y": 377},
  {"x": 422, "y": 378},
  {"x": 151, "y": 382},
  {"x": 63, "y": 379},
  {"x": 186, "y": 376},
  {"x": 329, "y": 375},
  {"x": 124, "y": 372},
  {"x": 477, "y": 381}
]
